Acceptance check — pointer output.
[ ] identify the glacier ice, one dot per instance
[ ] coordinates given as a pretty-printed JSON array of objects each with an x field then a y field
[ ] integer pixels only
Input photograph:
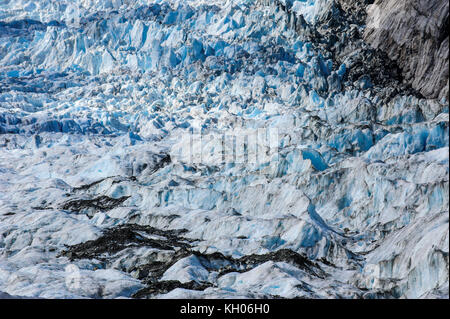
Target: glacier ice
[{"x": 98, "y": 100}]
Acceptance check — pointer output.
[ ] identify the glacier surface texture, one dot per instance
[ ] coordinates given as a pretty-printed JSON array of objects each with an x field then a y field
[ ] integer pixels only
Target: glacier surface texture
[{"x": 130, "y": 167}]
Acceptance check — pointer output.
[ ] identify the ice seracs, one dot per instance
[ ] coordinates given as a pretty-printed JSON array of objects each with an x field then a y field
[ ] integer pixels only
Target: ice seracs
[{"x": 99, "y": 99}]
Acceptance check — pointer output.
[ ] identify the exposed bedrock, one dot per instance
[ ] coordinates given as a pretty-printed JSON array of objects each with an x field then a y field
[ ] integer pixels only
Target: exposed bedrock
[
  {"x": 415, "y": 35},
  {"x": 337, "y": 29}
]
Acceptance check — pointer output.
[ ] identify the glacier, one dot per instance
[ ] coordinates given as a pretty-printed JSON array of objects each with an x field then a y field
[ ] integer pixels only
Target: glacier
[{"x": 99, "y": 99}]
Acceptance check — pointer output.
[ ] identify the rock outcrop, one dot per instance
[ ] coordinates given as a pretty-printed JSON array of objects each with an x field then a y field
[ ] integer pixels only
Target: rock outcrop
[{"x": 415, "y": 34}]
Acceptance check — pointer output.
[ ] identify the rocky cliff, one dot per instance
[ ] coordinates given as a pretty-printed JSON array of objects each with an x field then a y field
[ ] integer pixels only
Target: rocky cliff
[{"x": 415, "y": 35}]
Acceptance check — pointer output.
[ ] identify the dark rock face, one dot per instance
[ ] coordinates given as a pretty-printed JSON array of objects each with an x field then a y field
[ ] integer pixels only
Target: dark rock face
[
  {"x": 339, "y": 34},
  {"x": 341, "y": 31},
  {"x": 400, "y": 46},
  {"x": 415, "y": 35}
]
